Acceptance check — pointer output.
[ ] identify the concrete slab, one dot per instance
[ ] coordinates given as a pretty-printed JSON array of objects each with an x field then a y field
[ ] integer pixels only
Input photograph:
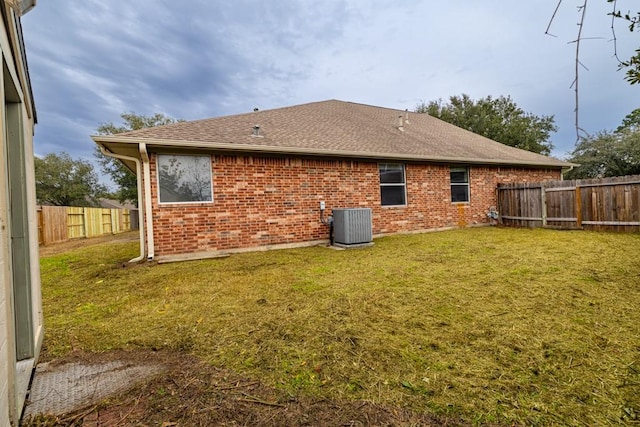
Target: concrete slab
[
  {"x": 353, "y": 246},
  {"x": 23, "y": 373},
  {"x": 61, "y": 389}
]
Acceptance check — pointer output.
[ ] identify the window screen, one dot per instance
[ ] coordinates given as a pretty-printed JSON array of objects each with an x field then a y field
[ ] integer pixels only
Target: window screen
[
  {"x": 184, "y": 179},
  {"x": 392, "y": 184},
  {"x": 459, "y": 184}
]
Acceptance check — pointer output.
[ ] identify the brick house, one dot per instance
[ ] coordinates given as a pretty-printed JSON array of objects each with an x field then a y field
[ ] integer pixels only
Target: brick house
[
  {"x": 256, "y": 180},
  {"x": 21, "y": 319}
]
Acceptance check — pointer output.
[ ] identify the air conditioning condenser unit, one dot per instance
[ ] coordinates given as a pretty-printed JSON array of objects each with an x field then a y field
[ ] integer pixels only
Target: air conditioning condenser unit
[{"x": 352, "y": 226}]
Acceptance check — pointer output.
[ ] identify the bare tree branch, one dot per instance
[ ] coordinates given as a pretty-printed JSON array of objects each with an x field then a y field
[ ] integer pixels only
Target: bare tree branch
[
  {"x": 582, "y": 9},
  {"x": 551, "y": 20},
  {"x": 613, "y": 32},
  {"x": 632, "y": 65}
]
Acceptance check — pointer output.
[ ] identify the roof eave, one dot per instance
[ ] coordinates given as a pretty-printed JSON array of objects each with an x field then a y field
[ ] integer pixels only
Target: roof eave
[{"x": 247, "y": 148}]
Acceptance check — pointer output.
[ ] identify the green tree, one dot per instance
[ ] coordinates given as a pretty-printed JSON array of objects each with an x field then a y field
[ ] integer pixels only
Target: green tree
[
  {"x": 631, "y": 121},
  {"x": 499, "y": 119},
  {"x": 608, "y": 153},
  {"x": 119, "y": 173},
  {"x": 62, "y": 181}
]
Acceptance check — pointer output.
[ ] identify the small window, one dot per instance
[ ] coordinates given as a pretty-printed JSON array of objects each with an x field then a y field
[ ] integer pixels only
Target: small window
[
  {"x": 392, "y": 184},
  {"x": 459, "y": 185},
  {"x": 184, "y": 179}
]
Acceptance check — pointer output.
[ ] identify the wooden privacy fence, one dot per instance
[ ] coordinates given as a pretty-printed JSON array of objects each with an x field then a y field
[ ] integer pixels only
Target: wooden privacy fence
[
  {"x": 595, "y": 204},
  {"x": 62, "y": 223}
]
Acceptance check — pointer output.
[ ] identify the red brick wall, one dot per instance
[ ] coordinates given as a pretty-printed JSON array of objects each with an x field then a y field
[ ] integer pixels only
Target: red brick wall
[{"x": 260, "y": 201}]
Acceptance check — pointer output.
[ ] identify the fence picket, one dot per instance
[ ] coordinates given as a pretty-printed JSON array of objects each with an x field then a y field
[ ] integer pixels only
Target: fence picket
[
  {"x": 62, "y": 223},
  {"x": 596, "y": 204},
  {"x": 578, "y": 206}
]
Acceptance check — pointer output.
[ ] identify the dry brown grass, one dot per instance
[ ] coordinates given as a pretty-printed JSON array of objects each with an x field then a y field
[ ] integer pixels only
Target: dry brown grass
[{"x": 491, "y": 325}]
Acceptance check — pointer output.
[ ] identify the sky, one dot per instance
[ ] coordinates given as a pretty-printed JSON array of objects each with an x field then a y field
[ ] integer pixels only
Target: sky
[{"x": 92, "y": 60}]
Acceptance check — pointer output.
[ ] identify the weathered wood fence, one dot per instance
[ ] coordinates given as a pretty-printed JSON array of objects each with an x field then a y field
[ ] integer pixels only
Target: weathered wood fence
[
  {"x": 62, "y": 223},
  {"x": 595, "y": 204}
]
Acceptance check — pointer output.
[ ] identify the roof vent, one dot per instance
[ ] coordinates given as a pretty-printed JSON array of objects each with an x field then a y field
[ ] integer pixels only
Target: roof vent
[
  {"x": 406, "y": 115},
  {"x": 256, "y": 130},
  {"x": 256, "y": 109},
  {"x": 400, "y": 123}
]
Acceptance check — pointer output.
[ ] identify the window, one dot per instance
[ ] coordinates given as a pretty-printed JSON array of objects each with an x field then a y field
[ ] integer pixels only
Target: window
[
  {"x": 459, "y": 185},
  {"x": 392, "y": 184},
  {"x": 184, "y": 179}
]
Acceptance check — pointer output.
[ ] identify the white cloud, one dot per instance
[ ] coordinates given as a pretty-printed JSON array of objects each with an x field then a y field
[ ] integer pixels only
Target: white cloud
[{"x": 92, "y": 60}]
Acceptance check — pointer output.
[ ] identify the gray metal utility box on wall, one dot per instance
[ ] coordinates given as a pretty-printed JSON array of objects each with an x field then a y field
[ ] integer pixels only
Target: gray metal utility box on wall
[{"x": 352, "y": 226}]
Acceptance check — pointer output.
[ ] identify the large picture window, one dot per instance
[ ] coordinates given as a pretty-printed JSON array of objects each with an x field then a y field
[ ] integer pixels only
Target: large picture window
[
  {"x": 459, "y": 184},
  {"x": 184, "y": 179},
  {"x": 392, "y": 184}
]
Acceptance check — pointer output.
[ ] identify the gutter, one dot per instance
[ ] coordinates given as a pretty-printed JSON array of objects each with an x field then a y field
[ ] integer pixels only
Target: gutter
[
  {"x": 142, "y": 147},
  {"x": 21, "y": 7},
  {"x": 567, "y": 171},
  {"x": 140, "y": 206},
  {"x": 26, "y": 6},
  {"x": 253, "y": 148}
]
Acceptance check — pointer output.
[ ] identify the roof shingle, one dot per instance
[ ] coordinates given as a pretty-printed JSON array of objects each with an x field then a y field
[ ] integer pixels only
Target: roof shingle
[{"x": 338, "y": 128}]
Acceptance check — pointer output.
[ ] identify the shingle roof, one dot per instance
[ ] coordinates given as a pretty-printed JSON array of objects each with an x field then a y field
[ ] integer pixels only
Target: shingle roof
[
  {"x": 337, "y": 128},
  {"x": 114, "y": 204}
]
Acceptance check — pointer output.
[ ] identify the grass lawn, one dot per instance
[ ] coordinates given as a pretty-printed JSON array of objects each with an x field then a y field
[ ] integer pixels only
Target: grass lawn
[{"x": 491, "y": 325}]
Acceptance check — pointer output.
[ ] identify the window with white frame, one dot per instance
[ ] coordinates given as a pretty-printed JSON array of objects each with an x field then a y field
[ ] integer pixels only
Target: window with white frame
[
  {"x": 184, "y": 179},
  {"x": 459, "y": 184},
  {"x": 393, "y": 190}
]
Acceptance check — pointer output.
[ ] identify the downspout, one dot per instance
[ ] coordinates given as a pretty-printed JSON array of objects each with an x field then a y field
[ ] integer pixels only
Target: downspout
[
  {"x": 565, "y": 171},
  {"x": 146, "y": 170},
  {"x": 139, "y": 183}
]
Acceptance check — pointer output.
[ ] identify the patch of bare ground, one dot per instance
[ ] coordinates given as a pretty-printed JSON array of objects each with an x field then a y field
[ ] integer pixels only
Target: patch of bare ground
[{"x": 190, "y": 392}]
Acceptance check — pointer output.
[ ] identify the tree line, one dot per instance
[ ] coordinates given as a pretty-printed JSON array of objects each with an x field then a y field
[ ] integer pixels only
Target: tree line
[
  {"x": 63, "y": 181},
  {"x": 606, "y": 153}
]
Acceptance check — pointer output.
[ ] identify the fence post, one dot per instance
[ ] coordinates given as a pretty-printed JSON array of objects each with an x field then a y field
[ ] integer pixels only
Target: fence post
[
  {"x": 113, "y": 216},
  {"x": 543, "y": 199},
  {"x": 85, "y": 223},
  {"x": 578, "y": 206},
  {"x": 498, "y": 204},
  {"x": 40, "y": 215}
]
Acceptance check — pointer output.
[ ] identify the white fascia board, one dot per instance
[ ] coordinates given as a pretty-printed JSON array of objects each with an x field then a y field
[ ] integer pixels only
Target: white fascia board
[{"x": 249, "y": 148}]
